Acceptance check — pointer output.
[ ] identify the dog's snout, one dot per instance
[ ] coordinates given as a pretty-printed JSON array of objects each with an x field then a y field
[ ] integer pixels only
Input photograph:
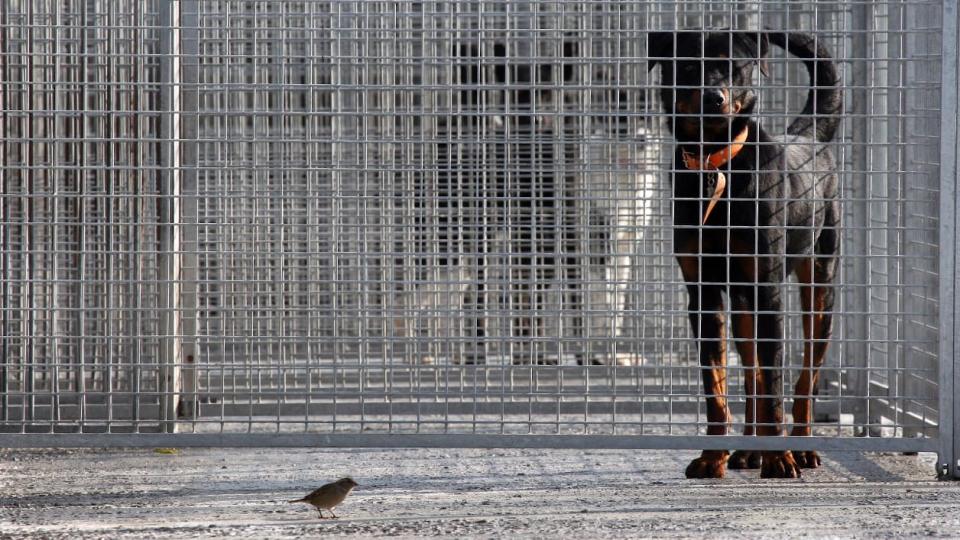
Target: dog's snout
[{"x": 713, "y": 100}]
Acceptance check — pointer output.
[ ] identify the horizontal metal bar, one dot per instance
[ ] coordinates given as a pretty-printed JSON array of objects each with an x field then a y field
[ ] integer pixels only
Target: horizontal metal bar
[{"x": 401, "y": 440}]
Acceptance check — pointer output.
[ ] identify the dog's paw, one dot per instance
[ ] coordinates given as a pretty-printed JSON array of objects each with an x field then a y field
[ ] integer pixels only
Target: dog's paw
[
  {"x": 708, "y": 465},
  {"x": 807, "y": 459},
  {"x": 745, "y": 459},
  {"x": 779, "y": 465}
]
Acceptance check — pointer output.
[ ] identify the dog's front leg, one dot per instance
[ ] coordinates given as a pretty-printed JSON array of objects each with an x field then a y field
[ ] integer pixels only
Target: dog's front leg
[
  {"x": 769, "y": 402},
  {"x": 707, "y": 322},
  {"x": 741, "y": 300}
]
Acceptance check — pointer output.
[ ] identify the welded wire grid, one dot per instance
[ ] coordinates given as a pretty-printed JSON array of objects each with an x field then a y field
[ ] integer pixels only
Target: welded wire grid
[{"x": 423, "y": 218}]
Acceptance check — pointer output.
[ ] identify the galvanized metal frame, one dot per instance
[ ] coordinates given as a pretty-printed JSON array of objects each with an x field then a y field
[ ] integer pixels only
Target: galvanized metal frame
[
  {"x": 949, "y": 447},
  {"x": 276, "y": 399},
  {"x": 170, "y": 229},
  {"x": 406, "y": 440}
]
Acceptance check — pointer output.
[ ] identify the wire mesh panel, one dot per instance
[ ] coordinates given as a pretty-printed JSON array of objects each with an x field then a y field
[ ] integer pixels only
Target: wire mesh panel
[
  {"x": 448, "y": 219},
  {"x": 79, "y": 227},
  {"x": 448, "y": 222}
]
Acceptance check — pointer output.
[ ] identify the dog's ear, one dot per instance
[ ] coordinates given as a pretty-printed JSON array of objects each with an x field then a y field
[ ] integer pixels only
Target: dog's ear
[
  {"x": 659, "y": 48},
  {"x": 758, "y": 45}
]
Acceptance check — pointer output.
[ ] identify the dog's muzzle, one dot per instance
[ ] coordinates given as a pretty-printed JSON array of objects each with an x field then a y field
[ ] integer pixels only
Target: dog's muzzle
[{"x": 713, "y": 101}]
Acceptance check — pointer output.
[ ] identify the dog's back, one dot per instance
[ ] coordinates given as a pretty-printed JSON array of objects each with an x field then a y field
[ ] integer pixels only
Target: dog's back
[{"x": 804, "y": 154}]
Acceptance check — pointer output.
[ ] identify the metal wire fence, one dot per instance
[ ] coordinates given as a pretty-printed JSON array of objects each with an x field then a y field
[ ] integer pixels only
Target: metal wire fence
[{"x": 294, "y": 222}]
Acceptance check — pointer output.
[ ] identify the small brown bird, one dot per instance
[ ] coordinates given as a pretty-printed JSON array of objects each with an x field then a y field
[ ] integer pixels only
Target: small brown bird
[{"x": 328, "y": 496}]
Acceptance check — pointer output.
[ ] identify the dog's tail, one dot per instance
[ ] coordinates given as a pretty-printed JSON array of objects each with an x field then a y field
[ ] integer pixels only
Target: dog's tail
[{"x": 821, "y": 114}]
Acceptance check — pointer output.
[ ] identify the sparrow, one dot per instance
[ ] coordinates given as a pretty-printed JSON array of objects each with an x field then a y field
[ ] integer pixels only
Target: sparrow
[{"x": 327, "y": 496}]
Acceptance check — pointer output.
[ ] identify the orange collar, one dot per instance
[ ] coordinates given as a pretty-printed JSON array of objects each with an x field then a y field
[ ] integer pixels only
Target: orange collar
[
  {"x": 712, "y": 162},
  {"x": 718, "y": 158}
]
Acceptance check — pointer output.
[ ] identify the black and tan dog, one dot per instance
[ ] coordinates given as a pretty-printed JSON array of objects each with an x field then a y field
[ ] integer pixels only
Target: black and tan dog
[{"x": 750, "y": 209}]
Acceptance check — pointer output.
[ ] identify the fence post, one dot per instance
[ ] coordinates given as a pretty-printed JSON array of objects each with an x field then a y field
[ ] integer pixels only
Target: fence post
[
  {"x": 168, "y": 233},
  {"x": 855, "y": 357},
  {"x": 188, "y": 112},
  {"x": 947, "y": 466}
]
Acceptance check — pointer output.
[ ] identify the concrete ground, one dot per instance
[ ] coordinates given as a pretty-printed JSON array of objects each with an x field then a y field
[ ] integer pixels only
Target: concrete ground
[{"x": 210, "y": 493}]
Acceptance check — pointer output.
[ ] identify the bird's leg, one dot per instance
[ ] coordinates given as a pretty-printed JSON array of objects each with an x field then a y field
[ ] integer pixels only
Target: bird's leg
[
  {"x": 319, "y": 511},
  {"x": 332, "y": 514}
]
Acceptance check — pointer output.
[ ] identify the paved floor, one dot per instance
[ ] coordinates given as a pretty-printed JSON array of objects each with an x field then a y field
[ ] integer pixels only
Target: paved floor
[{"x": 461, "y": 493}]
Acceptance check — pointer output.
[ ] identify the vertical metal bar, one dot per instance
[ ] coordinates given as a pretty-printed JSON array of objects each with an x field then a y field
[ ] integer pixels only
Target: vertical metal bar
[
  {"x": 856, "y": 327},
  {"x": 312, "y": 213},
  {"x": 896, "y": 238},
  {"x": 337, "y": 160},
  {"x": 948, "y": 467},
  {"x": 5, "y": 221},
  {"x": 59, "y": 102},
  {"x": 53, "y": 306},
  {"x": 81, "y": 132},
  {"x": 28, "y": 325},
  {"x": 189, "y": 19},
  {"x": 135, "y": 206},
  {"x": 878, "y": 177},
  {"x": 225, "y": 236},
  {"x": 169, "y": 227},
  {"x": 110, "y": 174},
  {"x": 80, "y": 375},
  {"x": 276, "y": 75}
]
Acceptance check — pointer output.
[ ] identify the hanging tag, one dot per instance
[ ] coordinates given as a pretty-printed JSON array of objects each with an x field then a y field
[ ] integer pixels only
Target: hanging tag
[{"x": 717, "y": 188}]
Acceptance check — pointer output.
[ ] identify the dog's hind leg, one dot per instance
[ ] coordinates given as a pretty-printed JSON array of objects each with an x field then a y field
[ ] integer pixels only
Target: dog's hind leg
[
  {"x": 707, "y": 322},
  {"x": 816, "y": 298}
]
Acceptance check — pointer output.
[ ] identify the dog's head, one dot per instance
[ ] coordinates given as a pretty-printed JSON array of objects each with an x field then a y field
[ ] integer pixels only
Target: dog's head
[{"x": 707, "y": 79}]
